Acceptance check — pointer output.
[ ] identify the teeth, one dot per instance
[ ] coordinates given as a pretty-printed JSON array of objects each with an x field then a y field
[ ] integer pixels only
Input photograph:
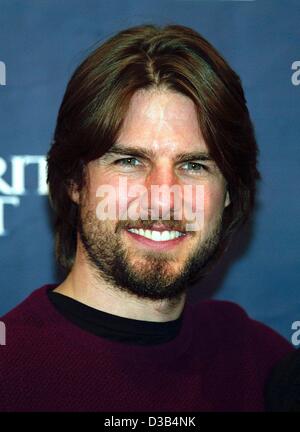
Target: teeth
[{"x": 157, "y": 235}]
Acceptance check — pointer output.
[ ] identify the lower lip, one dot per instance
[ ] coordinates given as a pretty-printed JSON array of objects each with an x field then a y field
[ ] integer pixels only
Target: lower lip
[{"x": 157, "y": 245}]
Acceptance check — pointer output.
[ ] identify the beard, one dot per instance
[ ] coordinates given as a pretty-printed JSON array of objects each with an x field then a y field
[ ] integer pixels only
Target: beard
[{"x": 153, "y": 275}]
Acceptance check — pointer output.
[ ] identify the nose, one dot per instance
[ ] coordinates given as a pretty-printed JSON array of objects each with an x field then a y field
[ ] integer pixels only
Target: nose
[{"x": 164, "y": 192}]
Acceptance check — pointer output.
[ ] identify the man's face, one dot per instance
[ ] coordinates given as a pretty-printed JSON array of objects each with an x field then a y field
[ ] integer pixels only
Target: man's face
[{"x": 160, "y": 126}]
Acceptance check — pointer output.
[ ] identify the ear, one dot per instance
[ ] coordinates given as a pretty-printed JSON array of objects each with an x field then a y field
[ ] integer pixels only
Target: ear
[
  {"x": 227, "y": 199},
  {"x": 73, "y": 193}
]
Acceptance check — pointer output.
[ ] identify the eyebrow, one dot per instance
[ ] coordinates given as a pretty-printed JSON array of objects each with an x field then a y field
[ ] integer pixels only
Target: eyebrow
[{"x": 150, "y": 154}]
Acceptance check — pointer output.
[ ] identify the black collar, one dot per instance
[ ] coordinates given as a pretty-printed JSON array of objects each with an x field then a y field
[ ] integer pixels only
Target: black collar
[{"x": 112, "y": 326}]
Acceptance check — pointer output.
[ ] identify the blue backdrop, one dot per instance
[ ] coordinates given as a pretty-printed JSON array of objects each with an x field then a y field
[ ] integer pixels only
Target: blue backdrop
[{"x": 42, "y": 41}]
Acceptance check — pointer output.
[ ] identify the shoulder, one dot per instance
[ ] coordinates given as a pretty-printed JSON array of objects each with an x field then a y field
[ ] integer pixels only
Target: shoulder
[
  {"x": 24, "y": 325},
  {"x": 29, "y": 312},
  {"x": 26, "y": 343},
  {"x": 231, "y": 325},
  {"x": 221, "y": 309}
]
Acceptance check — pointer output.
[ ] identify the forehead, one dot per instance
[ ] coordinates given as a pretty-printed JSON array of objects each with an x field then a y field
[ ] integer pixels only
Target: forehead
[{"x": 164, "y": 120}]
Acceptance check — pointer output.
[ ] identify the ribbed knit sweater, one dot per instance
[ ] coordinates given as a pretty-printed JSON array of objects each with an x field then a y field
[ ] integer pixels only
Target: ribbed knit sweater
[{"x": 219, "y": 361}]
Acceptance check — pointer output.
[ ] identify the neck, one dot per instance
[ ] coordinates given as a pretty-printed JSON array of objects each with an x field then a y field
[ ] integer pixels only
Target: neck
[{"x": 84, "y": 286}]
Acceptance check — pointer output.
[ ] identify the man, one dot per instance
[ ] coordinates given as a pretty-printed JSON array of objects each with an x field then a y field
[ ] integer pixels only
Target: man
[{"x": 152, "y": 107}]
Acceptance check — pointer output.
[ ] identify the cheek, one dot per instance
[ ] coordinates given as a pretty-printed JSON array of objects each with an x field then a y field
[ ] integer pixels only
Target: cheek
[
  {"x": 213, "y": 203},
  {"x": 116, "y": 192},
  {"x": 206, "y": 203}
]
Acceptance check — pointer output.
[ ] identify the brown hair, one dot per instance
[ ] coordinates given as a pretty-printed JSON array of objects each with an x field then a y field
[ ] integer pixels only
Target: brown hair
[{"x": 97, "y": 97}]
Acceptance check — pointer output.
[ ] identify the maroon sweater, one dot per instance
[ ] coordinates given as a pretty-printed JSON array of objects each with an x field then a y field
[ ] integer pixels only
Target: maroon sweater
[{"x": 219, "y": 361}]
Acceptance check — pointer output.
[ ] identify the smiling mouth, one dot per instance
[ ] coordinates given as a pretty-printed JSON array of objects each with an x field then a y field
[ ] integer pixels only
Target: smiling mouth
[
  {"x": 163, "y": 240},
  {"x": 157, "y": 236}
]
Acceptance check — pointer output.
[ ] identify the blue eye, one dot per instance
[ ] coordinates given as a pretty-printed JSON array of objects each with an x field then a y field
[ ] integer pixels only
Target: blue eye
[
  {"x": 125, "y": 162},
  {"x": 195, "y": 166}
]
